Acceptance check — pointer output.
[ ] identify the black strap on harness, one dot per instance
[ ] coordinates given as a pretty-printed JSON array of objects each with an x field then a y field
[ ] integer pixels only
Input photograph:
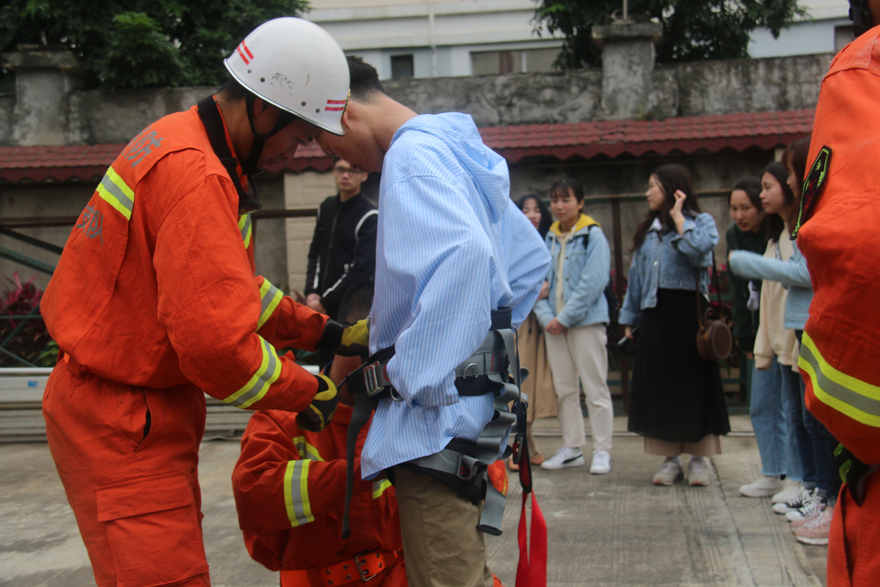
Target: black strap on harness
[
  {"x": 462, "y": 464},
  {"x": 209, "y": 113}
]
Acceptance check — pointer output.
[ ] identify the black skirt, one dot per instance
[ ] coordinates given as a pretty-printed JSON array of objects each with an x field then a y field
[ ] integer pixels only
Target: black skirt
[{"x": 676, "y": 395}]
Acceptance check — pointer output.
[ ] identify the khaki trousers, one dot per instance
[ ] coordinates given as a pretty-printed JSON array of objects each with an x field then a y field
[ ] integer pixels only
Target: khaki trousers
[
  {"x": 441, "y": 543},
  {"x": 580, "y": 354}
]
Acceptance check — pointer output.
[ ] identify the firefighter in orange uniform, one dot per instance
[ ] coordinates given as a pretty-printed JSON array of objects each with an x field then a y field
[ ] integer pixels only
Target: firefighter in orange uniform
[
  {"x": 154, "y": 303},
  {"x": 837, "y": 233},
  {"x": 289, "y": 487}
]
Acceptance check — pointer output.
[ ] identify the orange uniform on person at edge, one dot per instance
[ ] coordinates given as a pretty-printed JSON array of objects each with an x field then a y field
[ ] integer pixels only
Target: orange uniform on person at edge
[
  {"x": 155, "y": 303},
  {"x": 289, "y": 487},
  {"x": 839, "y": 239}
]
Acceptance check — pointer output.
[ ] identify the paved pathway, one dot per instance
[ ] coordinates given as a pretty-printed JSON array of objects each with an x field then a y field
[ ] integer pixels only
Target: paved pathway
[{"x": 604, "y": 530}]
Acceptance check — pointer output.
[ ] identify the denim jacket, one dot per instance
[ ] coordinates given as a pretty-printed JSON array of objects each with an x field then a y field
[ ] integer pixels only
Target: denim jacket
[
  {"x": 667, "y": 261},
  {"x": 586, "y": 273},
  {"x": 792, "y": 274}
]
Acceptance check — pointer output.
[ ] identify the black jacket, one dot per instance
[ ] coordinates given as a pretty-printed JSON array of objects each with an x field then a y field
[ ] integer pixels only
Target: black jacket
[{"x": 343, "y": 250}]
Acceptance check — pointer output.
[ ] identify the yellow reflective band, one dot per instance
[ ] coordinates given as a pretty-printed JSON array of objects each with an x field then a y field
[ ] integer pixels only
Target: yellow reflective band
[
  {"x": 848, "y": 395},
  {"x": 270, "y": 297},
  {"x": 116, "y": 192},
  {"x": 296, "y": 493},
  {"x": 306, "y": 450},
  {"x": 244, "y": 225},
  {"x": 267, "y": 373},
  {"x": 379, "y": 487}
]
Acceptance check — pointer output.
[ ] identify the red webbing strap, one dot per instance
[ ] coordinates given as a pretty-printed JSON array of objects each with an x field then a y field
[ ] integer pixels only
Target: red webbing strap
[{"x": 531, "y": 570}]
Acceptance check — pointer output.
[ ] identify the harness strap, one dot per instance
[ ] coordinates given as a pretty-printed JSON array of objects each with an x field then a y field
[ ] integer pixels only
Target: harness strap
[
  {"x": 369, "y": 383},
  {"x": 209, "y": 113}
]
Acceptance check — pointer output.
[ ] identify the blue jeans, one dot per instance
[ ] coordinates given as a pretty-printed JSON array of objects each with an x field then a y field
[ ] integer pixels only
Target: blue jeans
[
  {"x": 823, "y": 443},
  {"x": 791, "y": 388},
  {"x": 768, "y": 408}
]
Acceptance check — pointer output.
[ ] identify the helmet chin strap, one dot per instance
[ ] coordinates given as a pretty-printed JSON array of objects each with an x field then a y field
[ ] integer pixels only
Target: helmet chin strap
[
  {"x": 860, "y": 15},
  {"x": 285, "y": 118}
]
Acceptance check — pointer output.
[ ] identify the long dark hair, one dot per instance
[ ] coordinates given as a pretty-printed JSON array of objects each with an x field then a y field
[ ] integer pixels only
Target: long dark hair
[
  {"x": 671, "y": 177},
  {"x": 546, "y": 216},
  {"x": 794, "y": 159},
  {"x": 775, "y": 222}
]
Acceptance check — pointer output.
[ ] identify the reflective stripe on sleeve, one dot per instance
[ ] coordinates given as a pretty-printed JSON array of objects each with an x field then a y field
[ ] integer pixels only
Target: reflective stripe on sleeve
[
  {"x": 267, "y": 373},
  {"x": 296, "y": 493},
  {"x": 379, "y": 487},
  {"x": 244, "y": 225},
  {"x": 116, "y": 192},
  {"x": 306, "y": 450},
  {"x": 848, "y": 395},
  {"x": 270, "y": 297}
]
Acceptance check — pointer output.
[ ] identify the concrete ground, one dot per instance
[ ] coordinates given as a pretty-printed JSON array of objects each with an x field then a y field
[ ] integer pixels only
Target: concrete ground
[{"x": 616, "y": 529}]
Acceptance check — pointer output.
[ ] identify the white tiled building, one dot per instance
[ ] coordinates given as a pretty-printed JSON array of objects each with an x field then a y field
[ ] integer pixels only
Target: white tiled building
[{"x": 403, "y": 38}]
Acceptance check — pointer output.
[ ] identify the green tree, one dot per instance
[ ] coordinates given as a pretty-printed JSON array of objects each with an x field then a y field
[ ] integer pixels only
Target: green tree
[
  {"x": 141, "y": 43},
  {"x": 693, "y": 30}
]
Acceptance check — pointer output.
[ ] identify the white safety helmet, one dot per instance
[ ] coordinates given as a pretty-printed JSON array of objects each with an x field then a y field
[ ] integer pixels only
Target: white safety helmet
[{"x": 297, "y": 66}]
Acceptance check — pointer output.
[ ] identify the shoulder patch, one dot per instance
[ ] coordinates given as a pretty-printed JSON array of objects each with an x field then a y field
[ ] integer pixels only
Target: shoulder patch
[{"x": 813, "y": 186}]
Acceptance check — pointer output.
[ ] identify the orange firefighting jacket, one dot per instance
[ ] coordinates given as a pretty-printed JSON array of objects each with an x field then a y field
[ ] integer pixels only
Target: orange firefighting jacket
[
  {"x": 289, "y": 487},
  {"x": 839, "y": 239},
  {"x": 156, "y": 284}
]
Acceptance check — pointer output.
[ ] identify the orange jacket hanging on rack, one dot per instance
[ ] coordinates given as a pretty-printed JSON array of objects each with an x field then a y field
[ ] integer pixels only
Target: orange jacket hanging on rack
[
  {"x": 289, "y": 488},
  {"x": 156, "y": 284},
  {"x": 838, "y": 236}
]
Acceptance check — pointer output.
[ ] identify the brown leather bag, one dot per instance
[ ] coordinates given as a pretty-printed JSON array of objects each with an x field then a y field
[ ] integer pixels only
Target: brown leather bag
[{"x": 714, "y": 339}]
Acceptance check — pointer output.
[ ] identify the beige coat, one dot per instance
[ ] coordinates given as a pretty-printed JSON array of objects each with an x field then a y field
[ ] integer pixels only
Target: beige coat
[
  {"x": 533, "y": 356},
  {"x": 773, "y": 339}
]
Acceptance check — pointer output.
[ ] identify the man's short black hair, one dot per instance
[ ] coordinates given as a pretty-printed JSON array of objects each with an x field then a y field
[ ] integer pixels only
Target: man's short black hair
[
  {"x": 364, "y": 79},
  {"x": 232, "y": 90}
]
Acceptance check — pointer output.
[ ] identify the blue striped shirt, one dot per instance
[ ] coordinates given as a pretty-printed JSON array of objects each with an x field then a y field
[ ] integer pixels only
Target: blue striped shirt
[{"x": 451, "y": 247}]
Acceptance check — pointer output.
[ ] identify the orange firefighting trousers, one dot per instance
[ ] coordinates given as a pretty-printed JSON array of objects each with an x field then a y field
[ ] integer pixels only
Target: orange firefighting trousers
[{"x": 128, "y": 460}]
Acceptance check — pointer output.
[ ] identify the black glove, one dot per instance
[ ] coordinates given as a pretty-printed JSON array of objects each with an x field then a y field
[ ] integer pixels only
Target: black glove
[
  {"x": 348, "y": 340},
  {"x": 320, "y": 412}
]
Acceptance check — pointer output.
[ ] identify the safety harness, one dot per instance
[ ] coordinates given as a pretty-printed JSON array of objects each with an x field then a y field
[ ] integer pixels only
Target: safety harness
[{"x": 463, "y": 463}]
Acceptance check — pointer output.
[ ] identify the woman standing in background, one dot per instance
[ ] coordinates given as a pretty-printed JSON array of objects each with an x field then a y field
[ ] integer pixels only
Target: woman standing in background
[
  {"x": 677, "y": 399},
  {"x": 538, "y": 386}
]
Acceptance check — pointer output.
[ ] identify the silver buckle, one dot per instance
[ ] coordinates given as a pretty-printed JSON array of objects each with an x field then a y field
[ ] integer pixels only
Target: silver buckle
[
  {"x": 361, "y": 571},
  {"x": 371, "y": 379}
]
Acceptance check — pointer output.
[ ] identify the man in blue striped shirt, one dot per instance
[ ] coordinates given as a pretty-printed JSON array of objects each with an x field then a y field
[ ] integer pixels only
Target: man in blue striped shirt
[{"x": 451, "y": 247}]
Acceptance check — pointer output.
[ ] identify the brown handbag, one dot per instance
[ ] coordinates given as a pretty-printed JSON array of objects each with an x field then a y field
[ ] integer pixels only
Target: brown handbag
[{"x": 714, "y": 339}]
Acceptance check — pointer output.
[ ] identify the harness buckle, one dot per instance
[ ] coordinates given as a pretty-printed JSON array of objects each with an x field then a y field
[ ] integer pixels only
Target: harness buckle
[
  {"x": 362, "y": 571},
  {"x": 371, "y": 379}
]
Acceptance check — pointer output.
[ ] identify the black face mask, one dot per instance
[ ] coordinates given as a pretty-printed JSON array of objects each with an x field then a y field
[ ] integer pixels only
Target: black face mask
[{"x": 860, "y": 15}]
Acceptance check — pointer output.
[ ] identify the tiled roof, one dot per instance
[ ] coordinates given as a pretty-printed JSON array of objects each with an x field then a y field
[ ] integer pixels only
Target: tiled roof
[
  {"x": 683, "y": 135},
  {"x": 59, "y": 164}
]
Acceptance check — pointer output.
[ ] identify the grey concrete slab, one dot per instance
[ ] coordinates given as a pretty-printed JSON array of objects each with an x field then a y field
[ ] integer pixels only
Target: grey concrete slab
[{"x": 616, "y": 529}]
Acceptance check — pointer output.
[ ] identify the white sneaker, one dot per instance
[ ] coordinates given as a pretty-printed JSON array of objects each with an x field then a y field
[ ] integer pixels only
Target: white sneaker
[
  {"x": 669, "y": 472},
  {"x": 764, "y": 486},
  {"x": 601, "y": 464},
  {"x": 793, "y": 504},
  {"x": 564, "y": 457},
  {"x": 698, "y": 472},
  {"x": 810, "y": 507},
  {"x": 791, "y": 490}
]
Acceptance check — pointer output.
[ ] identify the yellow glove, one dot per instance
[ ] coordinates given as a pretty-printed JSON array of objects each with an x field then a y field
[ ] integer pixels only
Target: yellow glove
[
  {"x": 320, "y": 412},
  {"x": 355, "y": 339},
  {"x": 348, "y": 340}
]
